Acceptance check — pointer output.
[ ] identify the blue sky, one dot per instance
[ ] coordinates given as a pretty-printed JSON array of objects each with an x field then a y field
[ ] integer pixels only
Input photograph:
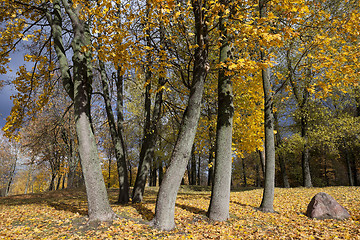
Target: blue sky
[{"x": 5, "y": 104}]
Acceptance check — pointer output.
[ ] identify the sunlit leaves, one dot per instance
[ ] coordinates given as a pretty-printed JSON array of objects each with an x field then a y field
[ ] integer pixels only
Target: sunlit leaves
[{"x": 60, "y": 215}]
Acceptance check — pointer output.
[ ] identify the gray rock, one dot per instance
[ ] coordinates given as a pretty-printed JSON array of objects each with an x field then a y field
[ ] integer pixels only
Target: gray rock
[{"x": 324, "y": 206}]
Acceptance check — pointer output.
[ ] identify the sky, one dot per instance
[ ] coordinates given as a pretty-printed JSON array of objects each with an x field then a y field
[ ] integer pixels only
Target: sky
[{"x": 5, "y": 104}]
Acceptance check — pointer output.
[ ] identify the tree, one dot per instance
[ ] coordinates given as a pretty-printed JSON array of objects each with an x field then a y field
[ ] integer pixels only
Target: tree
[
  {"x": 269, "y": 188},
  {"x": 220, "y": 194},
  {"x": 165, "y": 203}
]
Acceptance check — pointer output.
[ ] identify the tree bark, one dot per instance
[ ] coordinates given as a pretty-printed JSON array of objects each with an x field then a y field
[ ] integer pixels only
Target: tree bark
[
  {"x": 11, "y": 177},
  {"x": 244, "y": 171},
  {"x": 116, "y": 132},
  {"x": 98, "y": 203},
  {"x": 150, "y": 126},
  {"x": 165, "y": 204},
  {"x": 305, "y": 161},
  {"x": 269, "y": 188},
  {"x": 220, "y": 194},
  {"x": 350, "y": 172}
]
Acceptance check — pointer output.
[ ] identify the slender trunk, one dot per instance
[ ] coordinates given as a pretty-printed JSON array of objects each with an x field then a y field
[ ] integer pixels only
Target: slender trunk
[
  {"x": 109, "y": 172},
  {"x": 305, "y": 162},
  {"x": 150, "y": 126},
  {"x": 148, "y": 146},
  {"x": 189, "y": 173},
  {"x": 52, "y": 182},
  {"x": 220, "y": 194},
  {"x": 348, "y": 164},
  {"x": 11, "y": 177},
  {"x": 211, "y": 164},
  {"x": 280, "y": 157},
  {"x": 257, "y": 168},
  {"x": 120, "y": 143},
  {"x": 63, "y": 182},
  {"x": 244, "y": 171},
  {"x": 269, "y": 188},
  {"x": 28, "y": 180},
  {"x": 161, "y": 172},
  {"x": 354, "y": 168},
  {"x": 198, "y": 171},
  {"x": 116, "y": 136},
  {"x": 262, "y": 161},
  {"x": 193, "y": 166},
  {"x": 58, "y": 182},
  {"x": 165, "y": 204},
  {"x": 327, "y": 180}
]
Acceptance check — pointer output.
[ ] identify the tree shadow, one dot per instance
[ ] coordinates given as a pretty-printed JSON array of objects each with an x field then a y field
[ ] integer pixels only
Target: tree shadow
[
  {"x": 244, "y": 205},
  {"x": 145, "y": 212},
  {"x": 191, "y": 209},
  {"x": 67, "y": 207}
]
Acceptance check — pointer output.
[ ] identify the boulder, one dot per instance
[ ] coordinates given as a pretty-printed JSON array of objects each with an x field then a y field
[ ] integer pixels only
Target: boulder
[{"x": 324, "y": 206}]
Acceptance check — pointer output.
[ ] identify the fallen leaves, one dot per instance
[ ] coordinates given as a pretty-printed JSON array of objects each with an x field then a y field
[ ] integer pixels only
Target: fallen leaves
[{"x": 60, "y": 215}]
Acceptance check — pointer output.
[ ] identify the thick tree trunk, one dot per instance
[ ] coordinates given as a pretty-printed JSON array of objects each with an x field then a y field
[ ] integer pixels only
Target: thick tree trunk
[
  {"x": 98, "y": 203},
  {"x": 165, "y": 204},
  {"x": 269, "y": 188},
  {"x": 220, "y": 194}
]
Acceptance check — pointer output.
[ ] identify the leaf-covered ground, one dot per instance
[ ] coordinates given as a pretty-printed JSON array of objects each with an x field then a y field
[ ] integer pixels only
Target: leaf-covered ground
[{"x": 62, "y": 215}]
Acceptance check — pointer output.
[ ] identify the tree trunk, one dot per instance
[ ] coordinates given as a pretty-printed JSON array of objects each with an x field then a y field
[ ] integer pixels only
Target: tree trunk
[
  {"x": 220, "y": 194},
  {"x": 211, "y": 165},
  {"x": 354, "y": 168},
  {"x": 52, "y": 182},
  {"x": 150, "y": 126},
  {"x": 350, "y": 172},
  {"x": 258, "y": 180},
  {"x": 120, "y": 143},
  {"x": 148, "y": 146},
  {"x": 199, "y": 171},
  {"x": 58, "y": 182},
  {"x": 161, "y": 172},
  {"x": 98, "y": 203},
  {"x": 305, "y": 162},
  {"x": 281, "y": 159},
  {"x": 269, "y": 188},
  {"x": 193, "y": 166},
  {"x": 11, "y": 177},
  {"x": 244, "y": 171},
  {"x": 116, "y": 133},
  {"x": 262, "y": 160},
  {"x": 165, "y": 204}
]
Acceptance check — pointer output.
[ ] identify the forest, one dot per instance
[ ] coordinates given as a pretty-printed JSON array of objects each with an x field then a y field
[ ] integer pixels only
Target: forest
[{"x": 121, "y": 103}]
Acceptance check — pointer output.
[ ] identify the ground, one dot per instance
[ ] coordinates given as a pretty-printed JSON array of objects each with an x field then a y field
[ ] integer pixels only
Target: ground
[{"x": 62, "y": 215}]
